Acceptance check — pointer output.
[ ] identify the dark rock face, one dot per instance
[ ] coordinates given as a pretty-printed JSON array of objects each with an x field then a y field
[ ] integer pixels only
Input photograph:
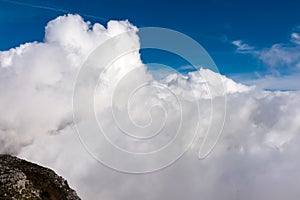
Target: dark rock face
[{"x": 20, "y": 179}]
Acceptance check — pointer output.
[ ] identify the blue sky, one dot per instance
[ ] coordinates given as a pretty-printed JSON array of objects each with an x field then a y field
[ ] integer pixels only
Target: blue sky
[{"x": 254, "y": 26}]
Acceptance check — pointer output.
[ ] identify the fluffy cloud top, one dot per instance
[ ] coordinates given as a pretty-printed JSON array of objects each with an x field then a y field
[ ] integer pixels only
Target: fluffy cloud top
[{"x": 256, "y": 157}]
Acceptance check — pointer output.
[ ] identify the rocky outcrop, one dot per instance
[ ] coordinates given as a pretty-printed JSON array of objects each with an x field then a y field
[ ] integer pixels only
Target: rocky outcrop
[{"x": 20, "y": 179}]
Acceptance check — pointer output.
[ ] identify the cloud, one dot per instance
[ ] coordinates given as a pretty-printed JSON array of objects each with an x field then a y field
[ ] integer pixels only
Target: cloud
[
  {"x": 279, "y": 57},
  {"x": 270, "y": 82},
  {"x": 242, "y": 47},
  {"x": 255, "y": 158},
  {"x": 282, "y": 61},
  {"x": 295, "y": 36}
]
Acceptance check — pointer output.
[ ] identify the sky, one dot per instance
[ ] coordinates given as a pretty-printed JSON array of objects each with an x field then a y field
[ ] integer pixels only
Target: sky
[
  {"x": 215, "y": 24},
  {"x": 78, "y": 96}
]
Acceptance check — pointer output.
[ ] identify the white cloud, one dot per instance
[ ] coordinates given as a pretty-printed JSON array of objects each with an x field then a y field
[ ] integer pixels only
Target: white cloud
[
  {"x": 281, "y": 56},
  {"x": 295, "y": 37},
  {"x": 242, "y": 47},
  {"x": 278, "y": 57},
  {"x": 270, "y": 82},
  {"x": 256, "y": 157},
  {"x": 282, "y": 61}
]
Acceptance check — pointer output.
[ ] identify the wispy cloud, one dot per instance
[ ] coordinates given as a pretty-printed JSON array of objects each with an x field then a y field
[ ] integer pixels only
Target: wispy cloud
[
  {"x": 279, "y": 57},
  {"x": 282, "y": 61},
  {"x": 59, "y": 10},
  {"x": 242, "y": 47},
  {"x": 283, "y": 55},
  {"x": 269, "y": 82},
  {"x": 295, "y": 36}
]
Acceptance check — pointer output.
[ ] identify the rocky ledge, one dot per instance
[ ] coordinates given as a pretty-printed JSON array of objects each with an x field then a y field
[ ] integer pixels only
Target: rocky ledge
[{"x": 20, "y": 179}]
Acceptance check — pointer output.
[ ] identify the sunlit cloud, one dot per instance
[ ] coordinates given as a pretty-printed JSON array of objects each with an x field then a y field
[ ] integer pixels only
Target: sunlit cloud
[{"x": 254, "y": 159}]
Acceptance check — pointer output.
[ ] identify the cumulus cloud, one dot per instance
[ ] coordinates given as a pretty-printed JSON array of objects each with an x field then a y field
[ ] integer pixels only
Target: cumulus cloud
[{"x": 254, "y": 159}]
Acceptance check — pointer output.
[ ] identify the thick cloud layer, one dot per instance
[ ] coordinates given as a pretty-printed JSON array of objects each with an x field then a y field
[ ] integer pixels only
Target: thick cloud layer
[{"x": 256, "y": 157}]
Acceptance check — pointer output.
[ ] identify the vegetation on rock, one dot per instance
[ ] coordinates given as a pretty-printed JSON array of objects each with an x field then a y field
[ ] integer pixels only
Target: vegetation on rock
[{"x": 20, "y": 179}]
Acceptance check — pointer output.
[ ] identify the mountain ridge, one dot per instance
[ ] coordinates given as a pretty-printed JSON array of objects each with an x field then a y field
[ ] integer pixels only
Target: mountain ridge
[{"x": 20, "y": 179}]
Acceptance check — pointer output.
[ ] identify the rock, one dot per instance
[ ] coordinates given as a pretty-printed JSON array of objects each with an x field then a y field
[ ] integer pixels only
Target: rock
[{"x": 20, "y": 179}]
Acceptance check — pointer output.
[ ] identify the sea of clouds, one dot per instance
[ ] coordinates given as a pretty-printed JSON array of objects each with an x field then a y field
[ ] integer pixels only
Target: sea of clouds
[{"x": 255, "y": 158}]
